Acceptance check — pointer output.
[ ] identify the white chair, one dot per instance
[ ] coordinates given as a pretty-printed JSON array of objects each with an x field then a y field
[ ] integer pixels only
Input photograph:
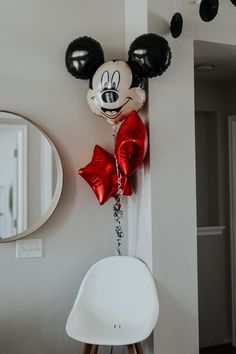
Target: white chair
[{"x": 117, "y": 304}]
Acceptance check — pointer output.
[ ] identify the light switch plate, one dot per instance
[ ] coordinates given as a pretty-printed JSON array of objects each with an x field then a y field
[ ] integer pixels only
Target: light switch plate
[{"x": 30, "y": 248}]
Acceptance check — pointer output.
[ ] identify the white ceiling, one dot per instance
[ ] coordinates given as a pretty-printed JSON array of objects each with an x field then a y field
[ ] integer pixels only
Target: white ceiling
[{"x": 222, "y": 56}]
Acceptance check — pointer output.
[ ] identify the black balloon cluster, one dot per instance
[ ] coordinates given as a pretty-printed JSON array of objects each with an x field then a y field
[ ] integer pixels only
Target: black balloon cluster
[{"x": 208, "y": 10}]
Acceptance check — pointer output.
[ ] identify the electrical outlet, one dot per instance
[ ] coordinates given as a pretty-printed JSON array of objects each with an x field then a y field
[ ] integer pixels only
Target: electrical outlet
[{"x": 31, "y": 248}]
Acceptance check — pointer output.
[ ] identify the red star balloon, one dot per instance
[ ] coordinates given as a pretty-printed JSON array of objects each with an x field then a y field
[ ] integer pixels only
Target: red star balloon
[
  {"x": 131, "y": 144},
  {"x": 101, "y": 175}
]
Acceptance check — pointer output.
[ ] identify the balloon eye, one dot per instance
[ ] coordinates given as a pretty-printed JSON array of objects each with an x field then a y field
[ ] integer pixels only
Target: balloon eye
[
  {"x": 115, "y": 80},
  {"x": 105, "y": 80}
]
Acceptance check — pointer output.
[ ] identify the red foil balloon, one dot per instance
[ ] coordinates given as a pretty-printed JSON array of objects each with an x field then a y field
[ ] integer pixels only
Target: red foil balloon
[
  {"x": 131, "y": 144},
  {"x": 125, "y": 186},
  {"x": 101, "y": 175}
]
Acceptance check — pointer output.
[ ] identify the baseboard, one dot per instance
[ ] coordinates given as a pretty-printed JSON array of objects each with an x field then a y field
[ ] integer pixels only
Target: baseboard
[{"x": 215, "y": 343}]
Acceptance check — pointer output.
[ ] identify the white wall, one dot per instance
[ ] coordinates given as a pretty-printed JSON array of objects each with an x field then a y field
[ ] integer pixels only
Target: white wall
[
  {"x": 139, "y": 206},
  {"x": 36, "y": 295},
  {"x": 171, "y": 114}
]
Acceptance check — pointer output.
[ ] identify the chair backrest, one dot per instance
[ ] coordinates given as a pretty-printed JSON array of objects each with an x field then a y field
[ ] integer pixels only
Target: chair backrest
[{"x": 119, "y": 292}]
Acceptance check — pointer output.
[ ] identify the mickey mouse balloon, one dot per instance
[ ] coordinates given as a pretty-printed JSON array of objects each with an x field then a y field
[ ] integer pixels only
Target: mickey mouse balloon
[{"x": 116, "y": 87}]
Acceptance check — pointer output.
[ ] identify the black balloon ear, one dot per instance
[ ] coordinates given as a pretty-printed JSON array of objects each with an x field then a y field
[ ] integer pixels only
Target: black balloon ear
[
  {"x": 149, "y": 55},
  {"x": 83, "y": 56}
]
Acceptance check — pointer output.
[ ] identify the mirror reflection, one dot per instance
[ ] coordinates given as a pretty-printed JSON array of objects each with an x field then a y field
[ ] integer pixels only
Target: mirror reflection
[{"x": 30, "y": 176}]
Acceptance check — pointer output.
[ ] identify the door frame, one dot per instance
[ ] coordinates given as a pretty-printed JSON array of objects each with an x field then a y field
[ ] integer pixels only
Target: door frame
[
  {"x": 232, "y": 197},
  {"x": 46, "y": 175}
]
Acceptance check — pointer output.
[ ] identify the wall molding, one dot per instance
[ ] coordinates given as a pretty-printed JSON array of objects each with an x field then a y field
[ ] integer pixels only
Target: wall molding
[
  {"x": 232, "y": 194},
  {"x": 211, "y": 231}
]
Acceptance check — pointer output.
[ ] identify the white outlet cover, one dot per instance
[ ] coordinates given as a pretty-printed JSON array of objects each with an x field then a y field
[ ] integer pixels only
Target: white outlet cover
[{"x": 30, "y": 248}]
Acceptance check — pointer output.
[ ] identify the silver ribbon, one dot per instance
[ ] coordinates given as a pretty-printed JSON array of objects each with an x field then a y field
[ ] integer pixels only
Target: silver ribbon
[{"x": 117, "y": 207}]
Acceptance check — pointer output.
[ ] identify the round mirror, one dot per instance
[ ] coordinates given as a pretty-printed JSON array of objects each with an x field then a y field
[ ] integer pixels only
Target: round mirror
[{"x": 30, "y": 177}]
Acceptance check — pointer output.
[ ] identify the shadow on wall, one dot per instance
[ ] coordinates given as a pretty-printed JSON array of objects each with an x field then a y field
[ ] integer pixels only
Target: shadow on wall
[{"x": 162, "y": 27}]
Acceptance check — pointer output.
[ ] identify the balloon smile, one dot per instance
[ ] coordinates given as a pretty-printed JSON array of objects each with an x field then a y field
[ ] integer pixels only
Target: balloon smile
[{"x": 114, "y": 112}]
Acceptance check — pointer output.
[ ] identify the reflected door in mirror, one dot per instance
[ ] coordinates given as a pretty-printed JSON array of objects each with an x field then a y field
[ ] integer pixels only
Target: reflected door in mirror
[
  {"x": 13, "y": 208},
  {"x": 30, "y": 176}
]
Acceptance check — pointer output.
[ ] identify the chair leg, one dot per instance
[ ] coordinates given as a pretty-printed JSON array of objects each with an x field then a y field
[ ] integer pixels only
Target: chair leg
[
  {"x": 86, "y": 348},
  {"x": 94, "y": 349},
  {"x": 131, "y": 349},
  {"x": 139, "y": 348}
]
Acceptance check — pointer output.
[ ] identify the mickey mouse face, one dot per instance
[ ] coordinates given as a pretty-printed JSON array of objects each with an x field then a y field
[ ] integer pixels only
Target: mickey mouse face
[
  {"x": 112, "y": 95},
  {"x": 116, "y": 87}
]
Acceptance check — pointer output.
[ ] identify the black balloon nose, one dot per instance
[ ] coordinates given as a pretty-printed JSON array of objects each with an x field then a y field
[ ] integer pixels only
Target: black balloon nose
[{"x": 110, "y": 96}]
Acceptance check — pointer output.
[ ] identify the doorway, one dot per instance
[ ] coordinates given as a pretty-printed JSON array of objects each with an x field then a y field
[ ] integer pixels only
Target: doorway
[
  {"x": 215, "y": 89},
  {"x": 13, "y": 179}
]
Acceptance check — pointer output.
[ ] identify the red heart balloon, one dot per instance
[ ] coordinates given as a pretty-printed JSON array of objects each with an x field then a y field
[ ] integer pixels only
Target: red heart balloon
[
  {"x": 131, "y": 144},
  {"x": 101, "y": 175}
]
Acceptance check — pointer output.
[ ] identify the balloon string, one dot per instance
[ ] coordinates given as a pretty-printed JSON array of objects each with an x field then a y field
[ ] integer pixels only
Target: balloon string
[{"x": 117, "y": 207}]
